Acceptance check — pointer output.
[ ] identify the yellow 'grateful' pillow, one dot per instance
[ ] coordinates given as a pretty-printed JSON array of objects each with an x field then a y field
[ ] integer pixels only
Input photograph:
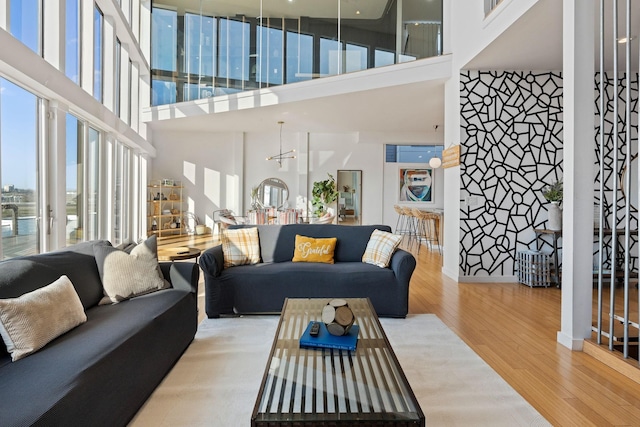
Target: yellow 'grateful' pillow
[{"x": 309, "y": 249}]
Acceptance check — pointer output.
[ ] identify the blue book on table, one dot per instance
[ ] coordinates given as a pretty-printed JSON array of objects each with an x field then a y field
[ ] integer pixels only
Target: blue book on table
[{"x": 326, "y": 340}]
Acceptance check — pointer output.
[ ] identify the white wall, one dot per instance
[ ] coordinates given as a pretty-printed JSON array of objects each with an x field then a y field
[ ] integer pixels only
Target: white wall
[
  {"x": 218, "y": 170},
  {"x": 209, "y": 166}
]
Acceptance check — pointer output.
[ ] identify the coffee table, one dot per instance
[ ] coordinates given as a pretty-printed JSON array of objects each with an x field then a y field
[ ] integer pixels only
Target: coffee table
[
  {"x": 177, "y": 253},
  {"x": 333, "y": 387}
]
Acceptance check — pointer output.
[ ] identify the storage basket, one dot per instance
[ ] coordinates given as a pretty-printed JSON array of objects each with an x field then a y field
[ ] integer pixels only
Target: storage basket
[{"x": 534, "y": 268}]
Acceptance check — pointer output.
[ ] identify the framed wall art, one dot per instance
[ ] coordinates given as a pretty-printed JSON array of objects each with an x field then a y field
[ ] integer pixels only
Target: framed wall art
[{"x": 415, "y": 185}]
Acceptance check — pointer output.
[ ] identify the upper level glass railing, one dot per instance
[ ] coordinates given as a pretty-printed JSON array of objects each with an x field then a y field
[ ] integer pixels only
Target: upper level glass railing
[{"x": 224, "y": 47}]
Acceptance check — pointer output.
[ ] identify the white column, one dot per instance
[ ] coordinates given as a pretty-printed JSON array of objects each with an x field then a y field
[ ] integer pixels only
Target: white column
[
  {"x": 86, "y": 46},
  {"x": 135, "y": 19},
  {"x": 451, "y": 252},
  {"x": 145, "y": 29},
  {"x": 135, "y": 104},
  {"x": 4, "y": 14},
  {"x": 579, "y": 158},
  {"x": 57, "y": 176},
  {"x": 54, "y": 33},
  {"x": 108, "y": 68}
]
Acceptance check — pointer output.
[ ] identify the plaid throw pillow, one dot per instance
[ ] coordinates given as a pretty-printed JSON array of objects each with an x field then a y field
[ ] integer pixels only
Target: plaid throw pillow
[
  {"x": 240, "y": 246},
  {"x": 380, "y": 248}
]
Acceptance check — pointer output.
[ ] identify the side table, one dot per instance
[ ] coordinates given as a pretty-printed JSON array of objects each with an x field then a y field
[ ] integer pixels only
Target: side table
[
  {"x": 178, "y": 253},
  {"x": 556, "y": 234}
]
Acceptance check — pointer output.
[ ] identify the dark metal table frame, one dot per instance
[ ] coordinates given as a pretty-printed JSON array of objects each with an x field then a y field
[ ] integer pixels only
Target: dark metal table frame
[{"x": 333, "y": 387}]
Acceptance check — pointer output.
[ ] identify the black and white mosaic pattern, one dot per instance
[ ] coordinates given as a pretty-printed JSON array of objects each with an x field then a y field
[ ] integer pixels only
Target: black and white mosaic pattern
[
  {"x": 511, "y": 146},
  {"x": 609, "y": 174}
]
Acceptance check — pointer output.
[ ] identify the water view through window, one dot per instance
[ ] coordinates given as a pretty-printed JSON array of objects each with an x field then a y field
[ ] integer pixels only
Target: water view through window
[{"x": 18, "y": 181}]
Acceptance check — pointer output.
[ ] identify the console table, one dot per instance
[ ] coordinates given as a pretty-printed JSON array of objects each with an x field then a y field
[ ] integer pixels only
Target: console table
[{"x": 326, "y": 387}]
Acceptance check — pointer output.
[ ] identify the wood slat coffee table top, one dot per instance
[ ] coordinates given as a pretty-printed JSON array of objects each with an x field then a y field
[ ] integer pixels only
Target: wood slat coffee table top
[{"x": 318, "y": 386}]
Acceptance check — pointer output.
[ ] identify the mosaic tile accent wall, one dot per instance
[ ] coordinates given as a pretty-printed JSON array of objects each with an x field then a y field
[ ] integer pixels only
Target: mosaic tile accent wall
[
  {"x": 511, "y": 134},
  {"x": 621, "y": 161},
  {"x": 511, "y": 146}
]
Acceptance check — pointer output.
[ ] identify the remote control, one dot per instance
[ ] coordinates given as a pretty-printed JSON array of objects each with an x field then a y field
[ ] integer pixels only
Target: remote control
[{"x": 315, "y": 329}]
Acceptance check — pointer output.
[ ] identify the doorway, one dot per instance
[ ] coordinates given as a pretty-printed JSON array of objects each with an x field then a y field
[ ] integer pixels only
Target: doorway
[{"x": 349, "y": 185}]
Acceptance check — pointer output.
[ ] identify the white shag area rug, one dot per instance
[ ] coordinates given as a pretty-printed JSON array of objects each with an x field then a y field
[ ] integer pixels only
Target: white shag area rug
[{"x": 216, "y": 381}]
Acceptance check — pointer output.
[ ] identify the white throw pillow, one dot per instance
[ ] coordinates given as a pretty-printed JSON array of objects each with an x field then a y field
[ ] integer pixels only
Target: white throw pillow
[
  {"x": 127, "y": 275},
  {"x": 29, "y": 322},
  {"x": 240, "y": 246},
  {"x": 381, "y": 247}
]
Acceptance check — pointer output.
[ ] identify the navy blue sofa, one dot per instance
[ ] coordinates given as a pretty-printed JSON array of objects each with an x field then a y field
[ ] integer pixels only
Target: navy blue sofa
[
  {"x": 263, "y": 287},
  {"x": 101, "y": 372}
]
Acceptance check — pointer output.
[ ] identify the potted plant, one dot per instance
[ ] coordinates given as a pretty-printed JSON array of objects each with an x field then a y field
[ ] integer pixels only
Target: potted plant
[
  {"x": 324, "y": 193},
  {"x": 553, "y": 194}
]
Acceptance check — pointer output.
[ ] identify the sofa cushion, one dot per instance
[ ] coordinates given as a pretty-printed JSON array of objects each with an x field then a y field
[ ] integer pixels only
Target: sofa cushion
[
  {"x": 25, "y": 274},
  {"x": 381, "y": 247},
  {"x": 277, "y": 241},
  {"x": 29, "y": 322},
  {"x": 127, "y": 275},
  {"x": 262, "y": 288},
  {"x": 101, "y": 372},
  {"x": 240, "y": 247},
  {"x": 308, "y": 249}
]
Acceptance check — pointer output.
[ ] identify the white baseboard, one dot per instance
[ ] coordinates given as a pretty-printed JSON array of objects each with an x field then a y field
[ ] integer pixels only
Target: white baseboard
[
  {"x": 453, "y": 275},
  {"x": 574, "y": 344}
]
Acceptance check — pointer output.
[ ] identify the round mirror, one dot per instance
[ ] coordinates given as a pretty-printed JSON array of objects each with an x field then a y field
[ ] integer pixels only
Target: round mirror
[{"x": 273, "y": 192}]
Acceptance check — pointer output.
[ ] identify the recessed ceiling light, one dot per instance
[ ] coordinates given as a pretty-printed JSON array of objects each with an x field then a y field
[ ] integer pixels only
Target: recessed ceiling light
[
  {"x": 357, "y": 12},
  {"x": 622, "y": 40}
]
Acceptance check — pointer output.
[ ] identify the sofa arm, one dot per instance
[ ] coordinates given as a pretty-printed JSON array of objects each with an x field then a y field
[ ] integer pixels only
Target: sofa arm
[
  {"x": 212, "y": 261},
  {"x": 181, "y": 275},
  {"x": 403, "y": 263}
]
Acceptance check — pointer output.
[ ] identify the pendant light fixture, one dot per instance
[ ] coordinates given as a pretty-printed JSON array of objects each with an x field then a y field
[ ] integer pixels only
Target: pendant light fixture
[{"x": 281, "y": 156}]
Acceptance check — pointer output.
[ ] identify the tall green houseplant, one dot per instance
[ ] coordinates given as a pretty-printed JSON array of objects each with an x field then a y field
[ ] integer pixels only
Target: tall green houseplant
[{"x": 324, "y": 193}]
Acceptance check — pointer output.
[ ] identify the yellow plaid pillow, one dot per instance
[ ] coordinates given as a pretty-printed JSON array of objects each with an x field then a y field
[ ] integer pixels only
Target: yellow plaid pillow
[
  {"x": 308, "y": 249},
  {"x": 240, "y": 246},
  {"x": 380, "y": 248}
]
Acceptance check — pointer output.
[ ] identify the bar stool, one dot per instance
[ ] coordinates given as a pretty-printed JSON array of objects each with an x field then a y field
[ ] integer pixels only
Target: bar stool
[
  {"x": 430, "y": 229},
  {"x": 412, "y": 225},
  {"x": 400, "y": 222}
]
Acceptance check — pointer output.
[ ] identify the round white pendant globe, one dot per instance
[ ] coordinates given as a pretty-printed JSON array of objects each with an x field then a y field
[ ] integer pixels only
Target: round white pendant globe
[{"x": 435, "y": 162}]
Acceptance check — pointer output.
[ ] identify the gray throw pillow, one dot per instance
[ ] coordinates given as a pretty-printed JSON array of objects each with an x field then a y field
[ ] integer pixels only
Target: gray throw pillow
[
  {"x": 127, "y": 275},
  {"x": 29, "y": 322}
]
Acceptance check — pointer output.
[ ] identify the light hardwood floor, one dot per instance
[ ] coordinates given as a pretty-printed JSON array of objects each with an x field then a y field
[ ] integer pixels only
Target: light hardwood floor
[{"x": 513, "y": 328}]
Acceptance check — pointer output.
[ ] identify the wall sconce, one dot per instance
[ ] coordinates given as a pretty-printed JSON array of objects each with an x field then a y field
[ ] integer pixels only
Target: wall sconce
[
  {"x": 435, "y": 162},
  {"x": 281, "y": 156}
]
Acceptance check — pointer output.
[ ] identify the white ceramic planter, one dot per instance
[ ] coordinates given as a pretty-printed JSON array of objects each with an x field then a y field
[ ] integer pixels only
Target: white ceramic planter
[{"x": 555, "y": 216}]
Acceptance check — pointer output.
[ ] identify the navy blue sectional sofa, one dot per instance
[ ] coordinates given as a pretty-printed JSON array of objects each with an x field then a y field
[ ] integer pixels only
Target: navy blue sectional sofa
[
  {"x": 263, "y": 287},
  {"x": 101, "y": 372}
]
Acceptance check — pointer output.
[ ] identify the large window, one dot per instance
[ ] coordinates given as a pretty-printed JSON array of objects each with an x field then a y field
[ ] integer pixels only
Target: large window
[
  {"x": 98, "y": 20},
  {"x": 412, "y": 153},
  {"x": 19, "y": 170},
  {"x": 164, "y": 39},
  {"x": 234, "y": 49},
  {"x": 299, "y": 57},
  {"x": 200, "y": 45},
  {"x": 271, "y": 58},
  {"x": 72, "y": 40},
  {"x": 229, "y": 46},
  {"x": 25, "y": 23}
]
